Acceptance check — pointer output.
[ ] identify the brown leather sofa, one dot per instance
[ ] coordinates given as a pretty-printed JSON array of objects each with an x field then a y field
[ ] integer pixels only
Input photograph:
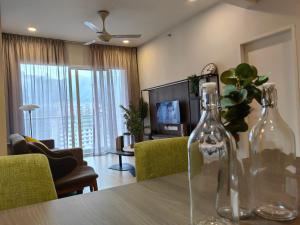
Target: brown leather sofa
[{"x": 69, "y": 171}]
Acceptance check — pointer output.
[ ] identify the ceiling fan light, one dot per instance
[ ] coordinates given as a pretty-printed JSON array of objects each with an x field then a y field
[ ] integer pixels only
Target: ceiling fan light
[
  {"x": 103, "y": 35},
  {"x": 32, "y": 29}
]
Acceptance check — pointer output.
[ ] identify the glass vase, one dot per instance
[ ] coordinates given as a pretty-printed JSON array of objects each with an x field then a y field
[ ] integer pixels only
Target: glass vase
[
  {"x": 273, "y": 168},
  {"x": 213, "y": 178}
]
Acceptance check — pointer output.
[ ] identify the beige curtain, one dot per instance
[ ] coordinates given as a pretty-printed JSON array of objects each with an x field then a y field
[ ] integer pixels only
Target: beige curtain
[
  {"x": 105, "y": 57},
  {"x": 19, "y": 50}
]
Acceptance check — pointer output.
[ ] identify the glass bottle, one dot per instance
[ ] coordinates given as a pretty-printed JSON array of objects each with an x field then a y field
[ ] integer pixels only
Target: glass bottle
[
  {"x": 273, "y": 157},
  {"x": 213, "y": 180}
]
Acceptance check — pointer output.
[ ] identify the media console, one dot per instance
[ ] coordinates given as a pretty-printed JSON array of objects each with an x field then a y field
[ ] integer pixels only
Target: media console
[{"x": 190, "y": 110}]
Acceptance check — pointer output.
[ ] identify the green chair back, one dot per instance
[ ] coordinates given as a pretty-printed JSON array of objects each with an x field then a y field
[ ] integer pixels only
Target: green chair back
[
  {"x": 158, "y": 158},
  {"x": 24, "y": 180}
]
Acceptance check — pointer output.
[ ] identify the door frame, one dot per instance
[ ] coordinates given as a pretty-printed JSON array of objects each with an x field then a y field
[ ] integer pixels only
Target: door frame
[{"x": 288, "y": 29}]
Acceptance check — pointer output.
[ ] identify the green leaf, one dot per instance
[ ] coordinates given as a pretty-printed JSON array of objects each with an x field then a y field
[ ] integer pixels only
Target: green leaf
[
  {"x": 246, "y": 82},
  {"x": 194, "y": 80},
  {"x": 236, "y": 112},
  {"x": 261, "y": 80},
  {"x": 258, "y": 96},
  {"x": 228, "y": 77},
  {"x": 227, "y": 102},
  {"x": 253, "y": 92},
  {"x": 228, "y": 89},
  {"x": 133, "y": 120},
  {"x": 143, "y": 108},
  {"x": 233, "y": 96},
  {"x": 244, "y": 94},
  {"x": 238, "y": 96},
  {"x": 241, "y": 90},
  {"x": 245, "y": 72},
  {"x": 237, "y": 126}
]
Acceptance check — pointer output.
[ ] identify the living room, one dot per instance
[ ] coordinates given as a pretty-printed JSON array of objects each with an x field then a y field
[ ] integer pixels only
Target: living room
[{"x": 67, "y": 69}]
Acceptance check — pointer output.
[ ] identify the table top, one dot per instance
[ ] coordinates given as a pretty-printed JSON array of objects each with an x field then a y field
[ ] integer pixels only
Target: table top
[{"x": 161, "y": 201}]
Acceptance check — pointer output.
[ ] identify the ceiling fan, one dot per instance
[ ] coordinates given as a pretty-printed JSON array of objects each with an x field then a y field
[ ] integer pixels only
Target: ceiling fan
[{"x": 103, "y": 35}]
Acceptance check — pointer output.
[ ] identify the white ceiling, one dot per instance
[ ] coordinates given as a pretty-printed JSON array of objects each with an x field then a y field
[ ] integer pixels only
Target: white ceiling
[{"x": 63, "y": 19}]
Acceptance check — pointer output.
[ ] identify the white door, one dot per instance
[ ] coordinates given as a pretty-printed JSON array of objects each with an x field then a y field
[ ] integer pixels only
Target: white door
[{"x": 274, "y": 55}]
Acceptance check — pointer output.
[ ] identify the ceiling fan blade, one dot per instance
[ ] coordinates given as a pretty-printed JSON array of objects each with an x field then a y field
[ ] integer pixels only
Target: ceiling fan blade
[
  {"x": 90, "y": 42},
  {"x": 127, "y": 36},
  {"x": 92, "y": 26}
]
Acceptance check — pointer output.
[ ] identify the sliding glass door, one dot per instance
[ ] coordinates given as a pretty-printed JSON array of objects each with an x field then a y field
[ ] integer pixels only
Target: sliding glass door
[
  {"x": 95, "y": 115},
  {"x": 82, "y": 119}
]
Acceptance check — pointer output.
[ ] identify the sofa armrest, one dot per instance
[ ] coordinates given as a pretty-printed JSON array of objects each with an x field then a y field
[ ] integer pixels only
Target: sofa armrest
[
  {"x": 77, "y": 153},
  {"x": 50, "y": 143},
  {"x": 50, "y": 152},
  {"x": 160, "y": 157},
  {"x": 61, "y": 166}
]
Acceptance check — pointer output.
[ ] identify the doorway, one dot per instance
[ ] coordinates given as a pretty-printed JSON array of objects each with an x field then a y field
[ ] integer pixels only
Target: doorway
[{"x": 275, "y": 55}]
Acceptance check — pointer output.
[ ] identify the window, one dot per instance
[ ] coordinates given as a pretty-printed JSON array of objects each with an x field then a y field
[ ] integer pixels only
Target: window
[
  {"x": 46, "y": 86},
  {"x": 78, "y": 107}
]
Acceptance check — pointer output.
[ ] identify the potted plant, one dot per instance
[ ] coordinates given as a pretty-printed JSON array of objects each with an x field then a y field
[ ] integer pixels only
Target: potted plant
[
  {"x": 134, "y": 117},
  {"x": 241, "y": 88},
  {"x": 194, "y": 80},
  {"x": 143, "y": 107}
]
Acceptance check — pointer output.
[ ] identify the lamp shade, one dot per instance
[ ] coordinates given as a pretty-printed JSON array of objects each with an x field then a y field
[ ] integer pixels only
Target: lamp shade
[{"x": 29, "y": 107}]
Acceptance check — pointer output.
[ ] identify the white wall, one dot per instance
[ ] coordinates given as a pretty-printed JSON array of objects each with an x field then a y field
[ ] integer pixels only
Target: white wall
[
  {"x": 213, "y": 36},
  {"x": 3, "y": 136}
]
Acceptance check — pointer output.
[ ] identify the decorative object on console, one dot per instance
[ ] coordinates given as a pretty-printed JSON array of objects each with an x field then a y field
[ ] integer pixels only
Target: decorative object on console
[
  {"x": 210, "y": 68},
  {"x": 29, "y": 108},
  {"x": 194, "y": 79},
  {"x": 273, "y": 166}
]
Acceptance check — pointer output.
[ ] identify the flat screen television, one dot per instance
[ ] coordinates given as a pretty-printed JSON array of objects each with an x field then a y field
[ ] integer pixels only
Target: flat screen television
[{"x": 168, "y": 112}]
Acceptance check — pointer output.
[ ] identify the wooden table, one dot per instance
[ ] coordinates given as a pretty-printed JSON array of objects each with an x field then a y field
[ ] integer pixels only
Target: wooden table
[{"x": 162, "y": 201}]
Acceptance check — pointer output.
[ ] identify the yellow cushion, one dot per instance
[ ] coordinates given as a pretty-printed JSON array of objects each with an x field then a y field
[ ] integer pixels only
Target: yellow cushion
[{"x": 31, "y": 139}]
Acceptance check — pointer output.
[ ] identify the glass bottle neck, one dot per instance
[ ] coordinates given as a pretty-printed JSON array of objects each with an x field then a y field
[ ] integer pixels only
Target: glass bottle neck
[
  {"x": 269, "y": 98},
  {"x": 269, "y": 102},
  {"x": 210, "y": 105}
]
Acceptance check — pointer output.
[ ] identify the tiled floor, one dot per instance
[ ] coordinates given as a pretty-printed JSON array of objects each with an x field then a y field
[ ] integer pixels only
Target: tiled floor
[{"x": 110, "y": 178}]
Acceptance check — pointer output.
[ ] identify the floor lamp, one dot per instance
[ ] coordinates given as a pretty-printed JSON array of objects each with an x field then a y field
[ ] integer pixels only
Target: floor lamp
[{"x": 29, "y": 108}]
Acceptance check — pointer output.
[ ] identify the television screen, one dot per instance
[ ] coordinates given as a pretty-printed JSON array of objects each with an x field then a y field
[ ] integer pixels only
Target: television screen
[{"x": 168, "y": 112}]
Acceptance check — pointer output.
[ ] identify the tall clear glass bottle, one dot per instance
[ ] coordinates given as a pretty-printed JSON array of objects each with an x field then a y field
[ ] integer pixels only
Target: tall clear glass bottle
[
  {"x": 273, "y": 157},
  {"x": 212, "y": 167}
]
